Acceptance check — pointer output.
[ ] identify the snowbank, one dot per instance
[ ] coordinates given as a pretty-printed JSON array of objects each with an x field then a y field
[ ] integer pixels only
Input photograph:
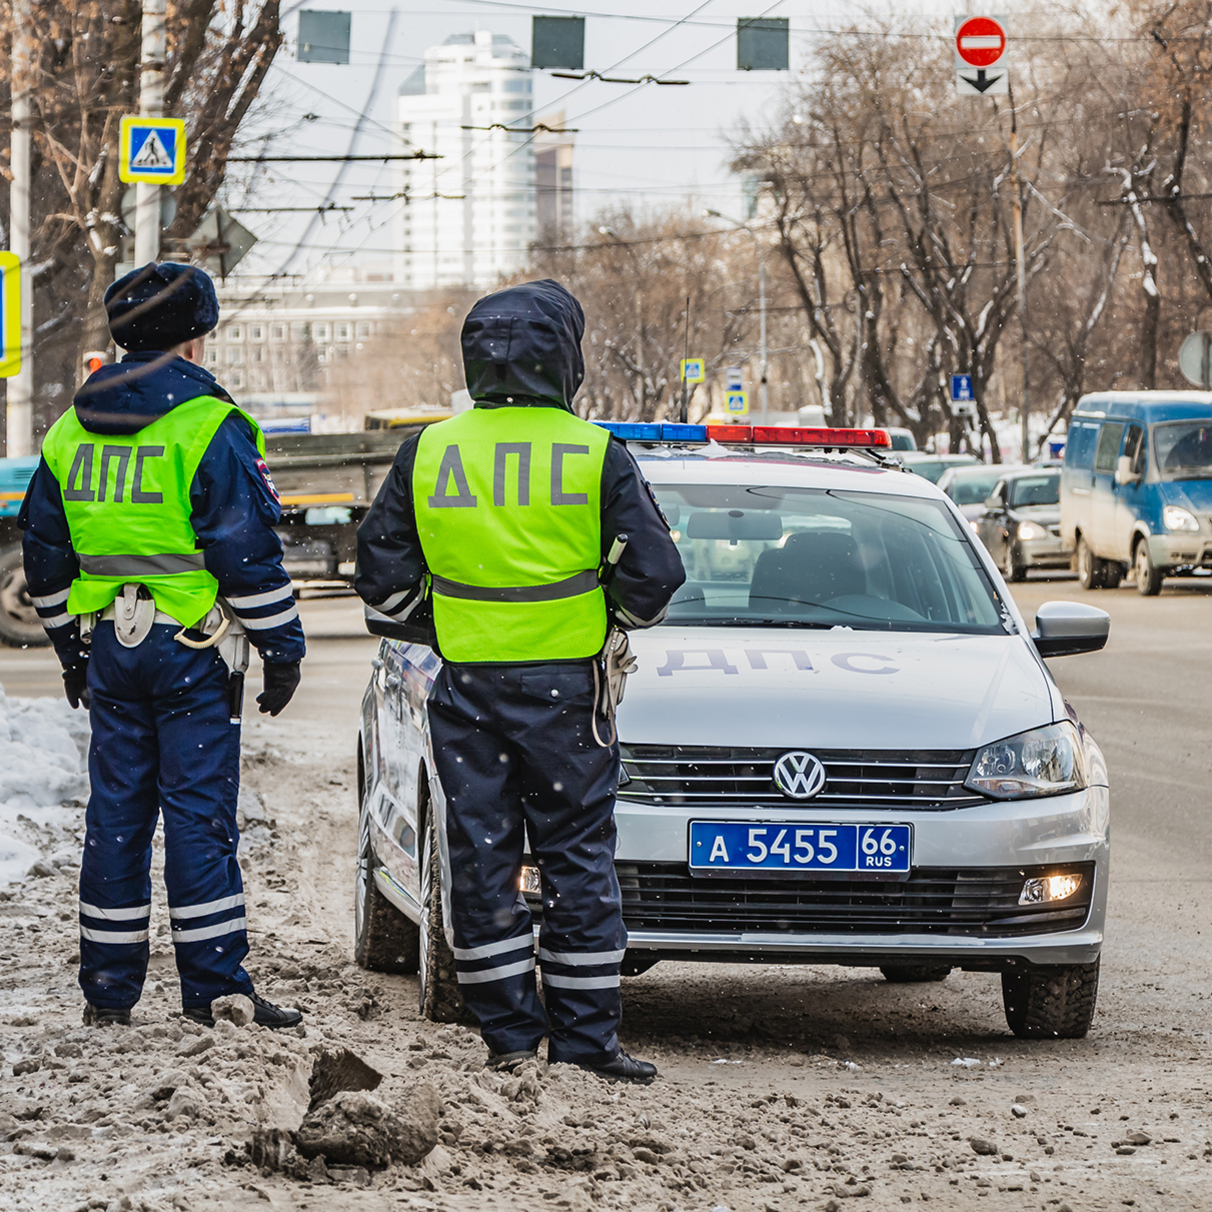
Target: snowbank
[{"x": 43, "y": 766}]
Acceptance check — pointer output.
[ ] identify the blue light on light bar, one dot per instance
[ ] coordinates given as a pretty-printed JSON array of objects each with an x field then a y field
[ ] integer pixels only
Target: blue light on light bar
[
  {"x": 652, "y": 431},
  {"x": 632, "y": 431},
  {"x": 683, "y": 433}
]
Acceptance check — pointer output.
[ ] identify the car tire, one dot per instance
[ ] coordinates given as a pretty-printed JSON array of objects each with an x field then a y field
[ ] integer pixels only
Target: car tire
[
  {"x": 1089, "y": 567},
  {"x": 915, "y": 974},
  {"x": 1011, "y": 570},
  {"x": 385, "y": 940},
  {"x": 1051, "y": 1001},
  {"x": 1148, "y": 575},
  {"x": 20, "y": 626},
  {"x": 1113, "y": 573},
  {"x": 440, "y": 998}
]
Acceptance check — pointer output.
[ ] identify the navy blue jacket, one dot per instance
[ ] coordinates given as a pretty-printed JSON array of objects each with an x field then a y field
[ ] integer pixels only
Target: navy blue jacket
[
  {"x": 522, "y": 347},
  {"x": 234, "y": 509}
]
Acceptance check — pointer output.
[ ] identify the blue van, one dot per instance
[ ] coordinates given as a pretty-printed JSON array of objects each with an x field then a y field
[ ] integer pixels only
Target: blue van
[{"x": 1136, "y": 489}]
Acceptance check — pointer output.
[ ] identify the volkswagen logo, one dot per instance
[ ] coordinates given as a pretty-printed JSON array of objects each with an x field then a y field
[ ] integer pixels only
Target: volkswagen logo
[{"x": 799, "y": 775}]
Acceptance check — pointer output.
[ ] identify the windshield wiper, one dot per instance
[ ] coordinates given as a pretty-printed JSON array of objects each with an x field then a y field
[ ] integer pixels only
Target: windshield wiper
[{"x": 749, "y": 621}]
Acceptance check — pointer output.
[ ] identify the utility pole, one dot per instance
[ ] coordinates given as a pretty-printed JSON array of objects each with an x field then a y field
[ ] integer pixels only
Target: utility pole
[
  {"x": 1021, "y": 268},
  {"x": 20, "y": 412},
  {"x": 151, "y": 105}
]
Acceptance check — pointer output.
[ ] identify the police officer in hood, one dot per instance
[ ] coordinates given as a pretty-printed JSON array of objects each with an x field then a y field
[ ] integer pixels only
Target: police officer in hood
[
  {"x": 509, "y": 512},
  {"x": 151, "y": 500}
]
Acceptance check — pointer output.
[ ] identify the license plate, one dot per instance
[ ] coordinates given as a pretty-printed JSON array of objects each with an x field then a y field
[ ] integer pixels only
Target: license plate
[{"x": 791, "y": 847}]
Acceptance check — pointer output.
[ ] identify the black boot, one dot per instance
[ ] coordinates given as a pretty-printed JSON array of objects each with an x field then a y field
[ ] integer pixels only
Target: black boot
[
  {"x": 265, "y": 1014},
  {"x": 103, "y": 1016},
  {"x": 623, "y": 1068}
]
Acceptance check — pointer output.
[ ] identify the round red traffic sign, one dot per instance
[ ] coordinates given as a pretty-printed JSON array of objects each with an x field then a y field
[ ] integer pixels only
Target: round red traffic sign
[{"x": 980, "y": 41}]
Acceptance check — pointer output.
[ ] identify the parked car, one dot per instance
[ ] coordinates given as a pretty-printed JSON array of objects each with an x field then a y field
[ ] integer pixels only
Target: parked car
[
  {"x": 1019, "y": 523},
  {"x": 841, "y": 746},
  {"x": 969, "y": 485},
  {"x": 932, "y": 466},
  {"x": 20, "y": 626},
  {"x": 902, "y": 439},
  {"x": 1136, "y": 489}
]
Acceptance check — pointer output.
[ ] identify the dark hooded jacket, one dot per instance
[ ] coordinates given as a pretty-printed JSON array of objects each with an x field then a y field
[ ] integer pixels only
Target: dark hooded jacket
[
  {"x": 522, "y": 348},
  {"x": 234, "y": 505}
]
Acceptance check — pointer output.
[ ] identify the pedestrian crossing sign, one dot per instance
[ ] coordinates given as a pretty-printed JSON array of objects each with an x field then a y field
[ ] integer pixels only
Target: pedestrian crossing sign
[
  {"x": 737, "y": 403},
  {"x": 693, "y": 370},
  {"x": 10, "y": 315},
  {"x": 151, "y": 150}
]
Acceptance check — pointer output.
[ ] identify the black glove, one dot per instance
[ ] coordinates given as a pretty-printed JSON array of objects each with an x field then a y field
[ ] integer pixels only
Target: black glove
[
  {"x": 281, "y": 682},
  {"x": 75, "y": 685}
]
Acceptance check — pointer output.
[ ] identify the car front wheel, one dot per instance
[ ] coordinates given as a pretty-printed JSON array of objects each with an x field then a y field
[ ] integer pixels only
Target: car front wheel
[
  {"x": 1089, "y": 566},
  {"x": 441, "y": 1001},
  {"x": 1053, "y": 1001},
  {"x": 1012, "y": 570},
  {"x": 1148, "y": 575},
  {"x": 20, "y": 626},
  {"x": 384, "y": 939}
]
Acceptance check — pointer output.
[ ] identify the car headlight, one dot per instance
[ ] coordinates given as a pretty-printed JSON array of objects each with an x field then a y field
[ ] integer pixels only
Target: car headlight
[
  {"x": 973, "y": 526},
  {"x": 1029, "y": 530},
  {"x": 1044, "y": 761},
  {"x": 1176, "y": 518}
]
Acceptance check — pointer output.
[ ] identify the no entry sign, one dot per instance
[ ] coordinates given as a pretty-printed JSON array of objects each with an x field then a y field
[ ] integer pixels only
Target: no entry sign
[{"x": 980, "y": 48}]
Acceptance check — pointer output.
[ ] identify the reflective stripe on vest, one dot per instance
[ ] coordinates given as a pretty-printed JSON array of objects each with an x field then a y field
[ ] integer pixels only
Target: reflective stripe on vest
[
  {"x": 508, "y": 508},
  {"x": 133, "y": 567},
  {"x": 127, "y": 502}
]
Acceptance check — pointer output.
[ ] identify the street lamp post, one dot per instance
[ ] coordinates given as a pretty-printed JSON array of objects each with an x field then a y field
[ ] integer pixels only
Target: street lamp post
[{"x": 764, "y": 391}]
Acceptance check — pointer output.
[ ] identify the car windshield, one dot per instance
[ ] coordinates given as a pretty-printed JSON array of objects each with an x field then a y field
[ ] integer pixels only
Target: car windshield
[
  {"x": 1184, "y": 450},
  {"x": 972, "y": 490},
  {"x": 796, "y": 557},
  {"x": 1035, "y": 490}
]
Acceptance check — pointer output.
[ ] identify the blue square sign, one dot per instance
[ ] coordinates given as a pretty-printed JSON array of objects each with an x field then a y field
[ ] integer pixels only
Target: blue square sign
[
  {"x": 151, "y": 150},
  {"x": 961, "y": 388}
]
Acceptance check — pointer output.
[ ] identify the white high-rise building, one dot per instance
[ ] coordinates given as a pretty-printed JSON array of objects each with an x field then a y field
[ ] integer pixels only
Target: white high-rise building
[{"x": 470, "y": 216}]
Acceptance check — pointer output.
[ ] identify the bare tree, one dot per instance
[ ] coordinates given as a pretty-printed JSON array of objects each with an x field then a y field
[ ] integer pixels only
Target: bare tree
[{"x": 85, "y": 77}]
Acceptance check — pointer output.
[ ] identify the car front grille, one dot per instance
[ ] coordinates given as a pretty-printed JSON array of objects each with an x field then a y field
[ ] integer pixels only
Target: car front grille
[
  {"x": 975, "y": 902},
  {"x": 674, "y": 776}
]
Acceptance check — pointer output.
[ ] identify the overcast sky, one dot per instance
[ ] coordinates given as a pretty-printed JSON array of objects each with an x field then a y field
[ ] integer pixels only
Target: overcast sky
[{"x": 652, "y": 147}]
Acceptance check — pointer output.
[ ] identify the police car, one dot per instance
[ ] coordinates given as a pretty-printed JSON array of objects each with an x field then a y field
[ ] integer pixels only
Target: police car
[{"x": 841, "y": 746}]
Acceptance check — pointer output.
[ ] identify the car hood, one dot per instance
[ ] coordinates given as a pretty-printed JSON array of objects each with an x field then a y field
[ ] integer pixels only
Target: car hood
[
  {"x": 837, "y": 689},
  {"x": 1190, "y": 494},
  {"x": 1044, "y": 514}
]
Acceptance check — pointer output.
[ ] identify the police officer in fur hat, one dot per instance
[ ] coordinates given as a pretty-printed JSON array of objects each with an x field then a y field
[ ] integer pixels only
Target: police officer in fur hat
[{"x": 151, "y": 557}]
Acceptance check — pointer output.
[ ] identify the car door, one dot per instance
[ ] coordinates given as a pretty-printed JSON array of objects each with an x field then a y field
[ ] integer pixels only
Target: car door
[
  {"x": 1077, "y": 479},
  {"x": 1128, "y": 497},
  {"x": 1102, "y": 491},
  {"x": 992, "y": 524}
]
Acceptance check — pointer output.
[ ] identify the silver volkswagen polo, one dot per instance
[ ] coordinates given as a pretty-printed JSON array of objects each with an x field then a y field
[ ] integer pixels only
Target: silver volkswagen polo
[{"x": 841, "y": 746}]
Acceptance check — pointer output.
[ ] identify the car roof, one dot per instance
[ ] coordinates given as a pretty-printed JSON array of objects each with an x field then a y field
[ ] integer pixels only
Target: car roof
[
  {"x": 720, "y": 465},
  {"x": 1145, "y": 406},
  {"x": 961, "y": 471}
]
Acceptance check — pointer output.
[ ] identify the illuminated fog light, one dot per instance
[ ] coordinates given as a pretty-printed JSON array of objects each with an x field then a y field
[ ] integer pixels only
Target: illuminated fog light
[
  {"x": 1049, "y": 888},
  {"x": 528, "y": 880},
  {"x": 1029, "y": 532}
]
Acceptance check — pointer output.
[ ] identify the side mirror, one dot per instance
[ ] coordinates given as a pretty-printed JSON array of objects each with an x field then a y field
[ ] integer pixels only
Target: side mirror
[
  {"x": 1123, "y": 472},
  {"x": 1066, "y": 628}
]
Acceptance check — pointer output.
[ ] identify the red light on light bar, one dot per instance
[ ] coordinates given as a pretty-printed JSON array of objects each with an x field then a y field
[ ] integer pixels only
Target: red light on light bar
[
  {"x": 778, "y": 435},
  {"x": 729, "y": 433}
]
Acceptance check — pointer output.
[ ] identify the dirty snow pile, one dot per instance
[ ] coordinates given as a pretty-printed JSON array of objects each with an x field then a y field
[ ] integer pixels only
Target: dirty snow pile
[{"x": 43, "y": 783}]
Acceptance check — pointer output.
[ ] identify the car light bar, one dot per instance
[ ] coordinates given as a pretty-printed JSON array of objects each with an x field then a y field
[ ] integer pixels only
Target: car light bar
[{"x": 746, "y": 435}]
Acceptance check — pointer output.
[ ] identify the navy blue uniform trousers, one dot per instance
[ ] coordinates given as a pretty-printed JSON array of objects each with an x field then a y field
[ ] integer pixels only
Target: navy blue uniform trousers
[
  {"x": 161, "y": 741},
  {"x": 515, "y": 754}
]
